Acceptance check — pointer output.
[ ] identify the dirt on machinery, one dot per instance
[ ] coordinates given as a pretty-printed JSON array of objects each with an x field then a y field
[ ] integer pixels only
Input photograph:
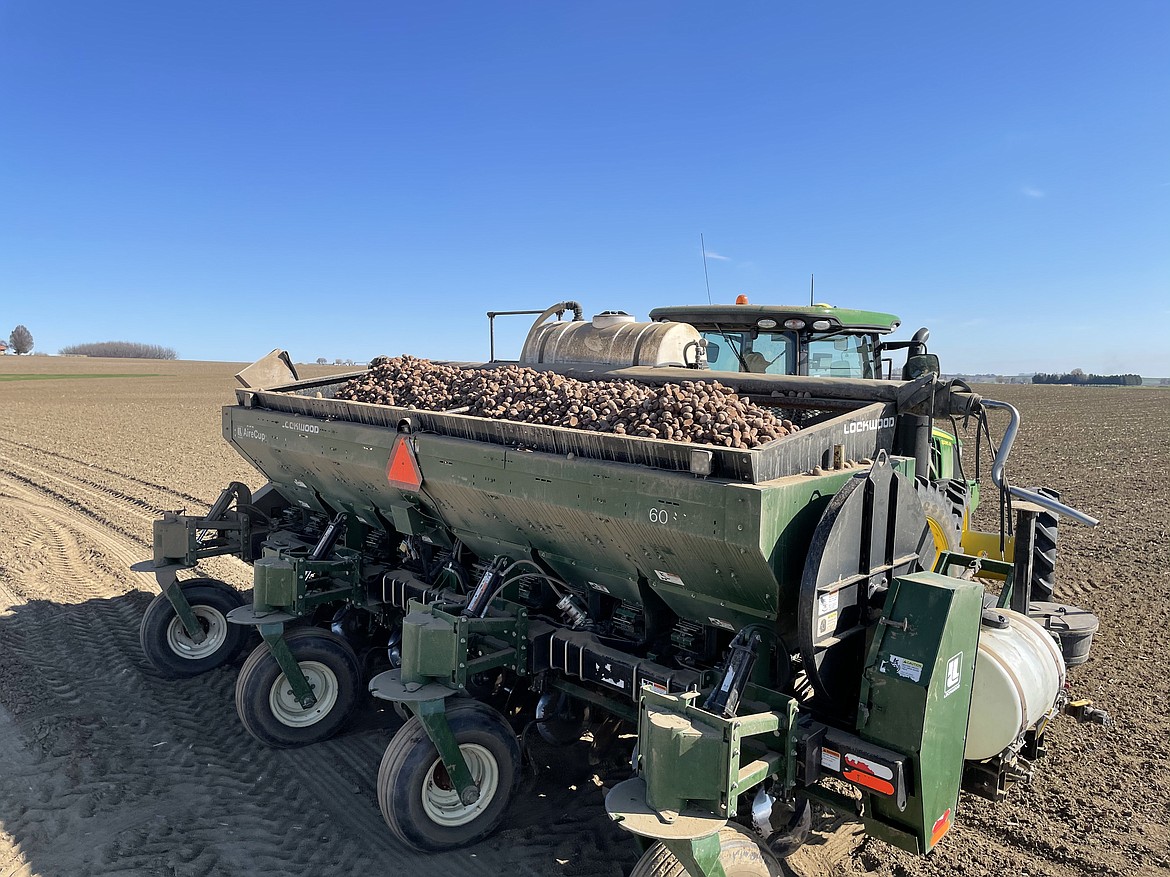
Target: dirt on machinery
[{"x": 106, "y": 768}]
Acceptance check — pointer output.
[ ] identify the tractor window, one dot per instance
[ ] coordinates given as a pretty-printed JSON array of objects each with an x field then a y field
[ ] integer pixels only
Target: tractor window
[
  {"x": 768, "y": 354},
  {"x": 841, "y": 356},
  {"x": 762, "y": 352},
  {"x": 722, "y": 348}
]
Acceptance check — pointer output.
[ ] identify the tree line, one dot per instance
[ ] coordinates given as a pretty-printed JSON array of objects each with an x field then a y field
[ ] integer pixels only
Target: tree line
[
  {"x": 120, "y": 350},
  {"x": 1076, "y": 376}
]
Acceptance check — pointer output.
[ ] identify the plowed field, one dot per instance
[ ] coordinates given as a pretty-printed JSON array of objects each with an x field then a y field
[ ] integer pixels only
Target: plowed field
[{"x": 106, "y": 768}]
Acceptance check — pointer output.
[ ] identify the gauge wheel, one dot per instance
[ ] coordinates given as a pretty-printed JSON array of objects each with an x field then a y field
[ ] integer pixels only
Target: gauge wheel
[
  {"x": 418, "y": 799},
  {"x": 265, "y": 702},
  {"x": 174, "y": 652},
  {"x": 740, "y": 854}
]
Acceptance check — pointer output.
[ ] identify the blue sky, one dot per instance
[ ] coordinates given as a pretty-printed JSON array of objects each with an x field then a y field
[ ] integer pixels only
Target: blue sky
[{"x": 348, "y": 179}]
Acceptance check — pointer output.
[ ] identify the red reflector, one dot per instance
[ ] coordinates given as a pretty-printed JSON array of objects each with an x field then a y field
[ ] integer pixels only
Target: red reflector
[
  {"x": 402, "y": 469},
  {"x": 941, "y": 827},
  {"x": 869, "y": 781}
]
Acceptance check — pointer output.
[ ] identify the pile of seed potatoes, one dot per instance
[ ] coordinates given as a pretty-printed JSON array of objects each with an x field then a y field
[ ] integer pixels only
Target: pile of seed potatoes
[{"x": 691, "y": 411}]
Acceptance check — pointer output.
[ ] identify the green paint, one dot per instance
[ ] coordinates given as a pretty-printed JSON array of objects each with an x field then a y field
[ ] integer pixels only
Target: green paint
[
  {"x": 432, "y": 714},
  {"x": 284, "y": 578},
  {"x": 699, "y": 857},
  {"x": 273, "y": 635},
  {"x": 438, "y": 646},
  {"x": 921, "y": 712},
  {"x": 183, "y": 610},
  {"x": 696, "y": 762},
  {"x": 731, "y": 316},
  {"x": 710, "y": 548}
]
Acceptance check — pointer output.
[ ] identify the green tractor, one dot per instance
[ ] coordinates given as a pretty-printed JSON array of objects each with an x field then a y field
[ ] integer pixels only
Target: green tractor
[
  {"x": 821, "y": 340},
  {"x": 783, "y": 626}
]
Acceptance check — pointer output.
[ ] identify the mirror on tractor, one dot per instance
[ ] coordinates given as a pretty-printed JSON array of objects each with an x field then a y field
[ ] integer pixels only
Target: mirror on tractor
[{"x": 920, "y": 364}]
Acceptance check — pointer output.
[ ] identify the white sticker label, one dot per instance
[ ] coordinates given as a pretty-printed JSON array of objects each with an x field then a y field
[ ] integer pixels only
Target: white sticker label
[
  {"x": 598, "y": 587},
  {"x": 826, "y": 624},
  {"x": 906, "y": 668},
  {"x": 831, "y": 760},
  {"x": 670, "y": 577},
  {"x": 954, "y": 675},
  {"x": 828, "y": 602},
  {"x": 719, "y": 622}
]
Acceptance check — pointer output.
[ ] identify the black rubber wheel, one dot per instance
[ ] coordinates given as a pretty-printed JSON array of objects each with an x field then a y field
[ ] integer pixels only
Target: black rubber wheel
[
  {"x": 264, "y": 700},
  {"x": 943, "y": 519},
  {"x": 170, "y": 649},
  {"x": 1044, "y": 558},
  {"x": 560, "y": 719},
  {"x": 740, "y": 854},
  {"x": 1044, "y": 552},
  {"x": 418, "y": 799}
]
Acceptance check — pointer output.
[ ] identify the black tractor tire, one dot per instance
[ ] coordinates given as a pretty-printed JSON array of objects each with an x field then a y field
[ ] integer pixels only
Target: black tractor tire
[
  {"x": 942, "y": 517},
  {"x": 168, "y": 647},
  {"x": 1044, "y": 552},
  {"x": 740, "y": 854},
  {"x": 265, "y": 704},
  {"x": 418, "y": 799}
]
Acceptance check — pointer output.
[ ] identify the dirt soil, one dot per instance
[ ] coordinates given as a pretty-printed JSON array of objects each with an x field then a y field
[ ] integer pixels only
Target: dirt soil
[{"x": 106, "y": 768}]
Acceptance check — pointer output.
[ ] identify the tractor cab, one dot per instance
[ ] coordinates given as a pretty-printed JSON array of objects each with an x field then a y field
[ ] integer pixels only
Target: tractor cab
[{"x": 817, "y": 340}]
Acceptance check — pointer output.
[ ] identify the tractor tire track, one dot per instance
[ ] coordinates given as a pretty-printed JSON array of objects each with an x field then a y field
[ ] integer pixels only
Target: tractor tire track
[
  {"x": 89, "y": 464},
  {"x": 71, "y": 496},
  {"x": 159, "y": 772},
  {"x": 130, "y": 503}
]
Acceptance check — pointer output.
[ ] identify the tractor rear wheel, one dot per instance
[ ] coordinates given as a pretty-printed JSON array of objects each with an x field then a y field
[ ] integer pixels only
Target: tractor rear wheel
[
  {"x": 174, "y": 652},
  {"x": 942, "y": 517},
  {"x": 265, "y": 702},
  {"x": 740, "y": 854},
  {"x": 1044, "y": 551},
  {"x": 417, "y": 797}
]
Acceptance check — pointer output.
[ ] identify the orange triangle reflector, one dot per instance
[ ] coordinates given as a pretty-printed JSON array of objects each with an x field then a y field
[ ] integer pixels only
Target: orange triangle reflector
[{"x": 402, "y": 469}]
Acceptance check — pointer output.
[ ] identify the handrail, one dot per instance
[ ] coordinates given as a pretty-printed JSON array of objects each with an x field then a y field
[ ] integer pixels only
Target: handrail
[
  {"x": 559, "y": 309},
  {"x": 997, "y": 467}
]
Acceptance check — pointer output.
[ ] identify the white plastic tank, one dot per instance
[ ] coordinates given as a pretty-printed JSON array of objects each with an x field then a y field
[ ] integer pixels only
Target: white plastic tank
[
  {"x": 1019, "y": 672},
  {"x": 612, "y": 338}
]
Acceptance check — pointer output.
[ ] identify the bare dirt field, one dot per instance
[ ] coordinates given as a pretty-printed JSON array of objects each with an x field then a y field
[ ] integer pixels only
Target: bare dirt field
[{"x": 106, "y": 768}]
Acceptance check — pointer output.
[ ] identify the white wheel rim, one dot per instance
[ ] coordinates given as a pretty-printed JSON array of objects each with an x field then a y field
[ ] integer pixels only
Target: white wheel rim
[
  {"x": 287, "y": 708},
  {"x": 440, "y": 798},
  {"x": 214, "y": 625}
]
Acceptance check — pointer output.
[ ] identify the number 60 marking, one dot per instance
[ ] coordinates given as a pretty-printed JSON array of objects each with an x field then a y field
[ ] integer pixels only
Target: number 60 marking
[{"x": 659, "y": 516}]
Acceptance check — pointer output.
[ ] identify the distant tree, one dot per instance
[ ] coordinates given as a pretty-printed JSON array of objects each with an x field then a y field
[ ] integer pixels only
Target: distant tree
[
  {"x": 322, "y": 361},
  {"x": 1076, "y": 376},
  {"x": 21, "y": 340},
  {"x": 120, "y": 350}
]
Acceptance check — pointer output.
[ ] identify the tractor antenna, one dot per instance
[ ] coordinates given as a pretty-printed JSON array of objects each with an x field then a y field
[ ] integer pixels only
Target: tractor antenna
[
  {"x": 703, "y": 247},
  {"x": 812, "y": 286}
]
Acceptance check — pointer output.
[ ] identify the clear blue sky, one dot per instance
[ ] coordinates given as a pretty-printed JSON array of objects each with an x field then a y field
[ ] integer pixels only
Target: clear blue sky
[{"x": 346, "y": 179}]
